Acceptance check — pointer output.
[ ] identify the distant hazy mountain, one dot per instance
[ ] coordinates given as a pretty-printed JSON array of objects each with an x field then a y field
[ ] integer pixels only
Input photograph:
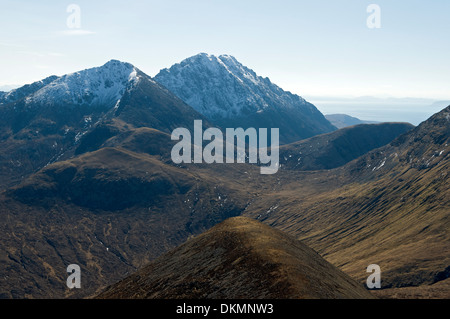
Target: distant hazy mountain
[
  {"x": 411, "y": 110},
  {"x": 344, "y": 120},
  {"x": 232, "y": 95},
  {"x": 239, "y": 258},
  {"x": 7, "y": 88},
  {"x": 441, "y": 104}
]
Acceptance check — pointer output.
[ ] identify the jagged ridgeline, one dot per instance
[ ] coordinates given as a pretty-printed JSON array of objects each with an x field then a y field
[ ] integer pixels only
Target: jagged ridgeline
[{"x": 232, "y": 95}]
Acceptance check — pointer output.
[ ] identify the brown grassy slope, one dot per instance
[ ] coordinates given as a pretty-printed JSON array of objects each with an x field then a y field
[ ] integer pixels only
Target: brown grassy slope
[
  {"x": 404, "y": 230},
  {"x": 390, "y": 207},
  {"x": 125, "y": 199},
  {"x": 239, "y": 258},
  {"x": 439, "y": 290},
  {"x": 110, "y": 212}
]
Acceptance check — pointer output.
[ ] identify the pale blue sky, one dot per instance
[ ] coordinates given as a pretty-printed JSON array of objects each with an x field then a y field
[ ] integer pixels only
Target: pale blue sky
[{"x": 320, "y": 47}]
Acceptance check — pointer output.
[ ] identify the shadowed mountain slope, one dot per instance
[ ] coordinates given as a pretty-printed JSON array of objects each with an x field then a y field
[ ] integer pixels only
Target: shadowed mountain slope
[{"x": 331, "y": 150}]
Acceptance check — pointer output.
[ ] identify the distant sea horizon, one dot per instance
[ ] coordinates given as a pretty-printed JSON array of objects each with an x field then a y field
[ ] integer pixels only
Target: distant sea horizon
[{"x": 411, "y": 110}]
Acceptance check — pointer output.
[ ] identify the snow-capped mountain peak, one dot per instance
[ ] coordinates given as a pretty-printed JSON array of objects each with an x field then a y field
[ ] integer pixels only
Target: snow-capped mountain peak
[
  {"x": 228, "y": 93},
  {"x": 102, "y": 85},
  {"x": 227, "y": 88}
]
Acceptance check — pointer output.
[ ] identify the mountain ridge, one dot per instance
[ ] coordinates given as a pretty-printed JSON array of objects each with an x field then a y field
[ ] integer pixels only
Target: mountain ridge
[
  {"x": 238, "y": 258},
  {"x": 97, "y": 85},
  {"x": 331, "y": 150},
  {"x": 232, "y": 95},
  {"x": 55, "y": 118}
]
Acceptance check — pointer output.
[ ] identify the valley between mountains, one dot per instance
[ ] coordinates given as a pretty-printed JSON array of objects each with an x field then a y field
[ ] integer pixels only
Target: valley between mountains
[{"x": 87, "y": 178}]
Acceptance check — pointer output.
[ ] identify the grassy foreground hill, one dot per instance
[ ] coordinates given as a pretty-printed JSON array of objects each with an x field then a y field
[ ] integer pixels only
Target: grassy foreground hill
[{"x": 239, "y": 258}]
